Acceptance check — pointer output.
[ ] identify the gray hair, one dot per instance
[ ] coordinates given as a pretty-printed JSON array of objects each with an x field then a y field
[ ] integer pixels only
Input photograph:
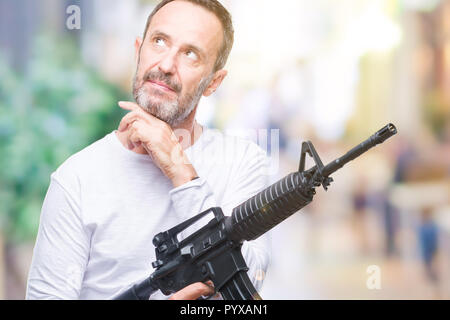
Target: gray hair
[{"x": 222, "y": 14}]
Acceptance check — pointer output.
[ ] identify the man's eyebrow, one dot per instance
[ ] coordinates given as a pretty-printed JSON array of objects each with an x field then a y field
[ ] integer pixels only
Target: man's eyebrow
[
  {"x": 193, "y": 47},
  {"x": 196, "y": 49},
  {"x": 158, "y": 33}
]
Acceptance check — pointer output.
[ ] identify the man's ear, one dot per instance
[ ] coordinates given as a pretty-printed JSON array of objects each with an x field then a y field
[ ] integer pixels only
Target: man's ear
[
  {"x": 137, "y": 49},
  {"x": 215, "y": 82}
]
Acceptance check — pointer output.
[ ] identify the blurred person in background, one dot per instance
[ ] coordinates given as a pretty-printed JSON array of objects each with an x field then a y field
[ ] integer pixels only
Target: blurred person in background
[
  {"x": 390, "y": 217},
  {"x": 428, "y": 242},
  {"x": 105, "y": 203},
  {"x": 404, "y": 159},
  {"x": 360, "y": 206}
]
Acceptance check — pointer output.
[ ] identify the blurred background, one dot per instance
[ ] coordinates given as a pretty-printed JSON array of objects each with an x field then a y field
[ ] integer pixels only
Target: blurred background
[{"x": 328, "y": 71}]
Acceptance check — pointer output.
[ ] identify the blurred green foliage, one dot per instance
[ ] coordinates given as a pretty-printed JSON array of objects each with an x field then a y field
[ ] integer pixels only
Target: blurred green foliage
[{"x": 55, "y": 108}]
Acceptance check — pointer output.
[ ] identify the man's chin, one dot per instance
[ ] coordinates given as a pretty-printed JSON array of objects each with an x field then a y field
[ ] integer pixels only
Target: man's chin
[
  {"x": 154, "y": 97},
  {"x": 159, "y": 98},
  {"x": 157, "y": 111}
]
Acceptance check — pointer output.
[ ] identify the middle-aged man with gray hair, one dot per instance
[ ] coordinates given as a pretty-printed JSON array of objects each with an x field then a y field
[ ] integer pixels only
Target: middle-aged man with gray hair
[{"x": 159, "y": 168}]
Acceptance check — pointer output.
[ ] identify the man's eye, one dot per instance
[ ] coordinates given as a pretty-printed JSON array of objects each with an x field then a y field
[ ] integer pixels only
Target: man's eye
[
  {"x": 160, "y": 42},
  {"x": 191, "y": 55}
]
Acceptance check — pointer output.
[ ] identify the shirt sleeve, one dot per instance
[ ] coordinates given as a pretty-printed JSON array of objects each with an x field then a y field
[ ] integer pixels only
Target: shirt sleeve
[
  {"x": 249, "y": 178},
  {"x": 62, "y": 247}
]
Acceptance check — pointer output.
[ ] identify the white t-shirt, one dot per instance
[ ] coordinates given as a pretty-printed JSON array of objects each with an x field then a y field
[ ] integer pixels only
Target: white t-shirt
[{"x": 105, "y": 204}]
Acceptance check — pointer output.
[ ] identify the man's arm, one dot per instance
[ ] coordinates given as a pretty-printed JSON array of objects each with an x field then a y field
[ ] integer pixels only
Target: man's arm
[
  {"x": 61, "y": 250},
  {"x": 190, "y": 197}
]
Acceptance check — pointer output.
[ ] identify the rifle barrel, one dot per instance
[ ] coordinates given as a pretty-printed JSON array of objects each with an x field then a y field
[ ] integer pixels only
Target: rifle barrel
[
  {"x": 269, "y": 207},
  {"x": 378, "y": 137}
]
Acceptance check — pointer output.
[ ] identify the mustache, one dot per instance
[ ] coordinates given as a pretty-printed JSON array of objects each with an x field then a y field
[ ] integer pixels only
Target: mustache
[{"x": 164, "y": 78}]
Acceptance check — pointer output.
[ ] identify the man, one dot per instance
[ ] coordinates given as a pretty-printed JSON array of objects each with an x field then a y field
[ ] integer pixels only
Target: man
[{"x": 105, "y": 203}]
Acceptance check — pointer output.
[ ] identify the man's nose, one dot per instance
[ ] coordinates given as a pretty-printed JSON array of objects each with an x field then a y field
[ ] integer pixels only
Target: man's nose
[{"x": 168, "y": 63}]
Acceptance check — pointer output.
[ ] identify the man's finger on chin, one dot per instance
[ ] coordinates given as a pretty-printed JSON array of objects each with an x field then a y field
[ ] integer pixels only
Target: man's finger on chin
[
  {"x": 128, "y": 105},
  {"x": 128, "y": 119}
]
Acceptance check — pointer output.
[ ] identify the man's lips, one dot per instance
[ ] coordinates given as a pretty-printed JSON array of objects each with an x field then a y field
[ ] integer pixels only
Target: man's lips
[{"x": 160, "y": 85}]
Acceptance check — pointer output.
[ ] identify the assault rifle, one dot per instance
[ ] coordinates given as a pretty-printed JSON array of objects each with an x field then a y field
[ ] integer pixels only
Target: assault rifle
[{"x": 214, "y": 251}]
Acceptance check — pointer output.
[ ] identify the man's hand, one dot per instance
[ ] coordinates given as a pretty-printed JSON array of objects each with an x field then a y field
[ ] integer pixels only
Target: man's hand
[
  {"x": 194, "y": 291},
  {"x": 160, "y": 142}
]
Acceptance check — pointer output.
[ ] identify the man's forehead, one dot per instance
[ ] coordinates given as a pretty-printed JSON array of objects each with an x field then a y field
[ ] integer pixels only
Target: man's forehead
[{"x": 189, "y": 22}]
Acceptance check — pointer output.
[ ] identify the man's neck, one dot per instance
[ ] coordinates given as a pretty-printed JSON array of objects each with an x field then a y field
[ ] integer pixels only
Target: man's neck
[{"x": 187, "y": 133}]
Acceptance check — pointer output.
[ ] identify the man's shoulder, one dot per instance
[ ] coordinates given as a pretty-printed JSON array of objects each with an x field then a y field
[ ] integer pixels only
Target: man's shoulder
[
  {"x": 233, "y": 142},
  {"x": 84, "y": 160},
  {"x": 236, "y": 152}
]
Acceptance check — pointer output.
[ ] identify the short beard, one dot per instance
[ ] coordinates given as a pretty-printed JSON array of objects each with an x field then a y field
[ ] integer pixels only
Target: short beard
[{"x": 171, "y": 112}]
